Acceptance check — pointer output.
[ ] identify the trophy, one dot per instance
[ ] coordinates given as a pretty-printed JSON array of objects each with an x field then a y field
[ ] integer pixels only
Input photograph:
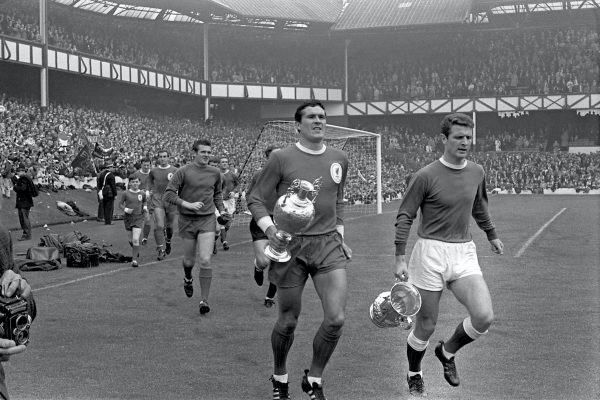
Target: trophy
[
  {"x": 396, "y": 307},
  {"x": 293, "y": 211}
]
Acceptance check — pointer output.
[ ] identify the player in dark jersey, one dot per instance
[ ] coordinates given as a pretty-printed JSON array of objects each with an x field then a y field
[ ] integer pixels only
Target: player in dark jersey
[
  {"x": 164, "y": 214},
  {"x": 134, "y": 205},
  {"x": 196, "y": 190},
  {"x": 448, "y": 192},
  {"x": 318, "y": 250},
  {"x": 142, "y": 174},
  {"x": 260, "y": 240},
  {"x": 230, "y": 185}
]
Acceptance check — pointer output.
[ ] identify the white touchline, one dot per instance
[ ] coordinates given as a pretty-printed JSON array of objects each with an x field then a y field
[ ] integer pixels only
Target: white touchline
[{"x": 531, "y": 239}]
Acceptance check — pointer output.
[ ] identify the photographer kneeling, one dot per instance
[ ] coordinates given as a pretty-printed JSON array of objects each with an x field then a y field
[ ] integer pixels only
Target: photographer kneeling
[{"x": 12, "y": 287}]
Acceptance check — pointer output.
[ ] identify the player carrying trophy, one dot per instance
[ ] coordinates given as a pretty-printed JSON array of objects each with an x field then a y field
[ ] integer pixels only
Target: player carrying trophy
[{"x": 317, "y": 249}]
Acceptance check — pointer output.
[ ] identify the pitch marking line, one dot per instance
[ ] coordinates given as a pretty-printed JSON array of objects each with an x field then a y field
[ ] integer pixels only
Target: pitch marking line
[
  {"x": 538, "y": 233},
  {"x": 129, "y": 268}
]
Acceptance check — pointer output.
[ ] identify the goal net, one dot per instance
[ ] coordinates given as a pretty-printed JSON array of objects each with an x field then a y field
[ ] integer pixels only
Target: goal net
[{"x": 362, "y": 191}]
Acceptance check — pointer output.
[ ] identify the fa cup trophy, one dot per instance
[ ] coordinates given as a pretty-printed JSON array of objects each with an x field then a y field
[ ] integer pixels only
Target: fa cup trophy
[
  {"x": 396, "y": 307},
  {"x": 293, "y": 211}
]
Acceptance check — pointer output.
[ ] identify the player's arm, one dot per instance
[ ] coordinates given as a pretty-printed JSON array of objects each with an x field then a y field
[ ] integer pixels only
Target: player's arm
[
  {"x": 149, "y": 183},
  {"x": 218, "y": 194},
  {"x": 483, "y": 219},
  {"x": 407, "y": 212},
  {"x": 266, "y": 183},
  {"x": 339, "y": 210}
]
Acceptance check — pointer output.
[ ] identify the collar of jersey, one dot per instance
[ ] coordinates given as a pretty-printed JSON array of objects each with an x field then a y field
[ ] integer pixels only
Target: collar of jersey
[
  {"x": 309, "y": 151},
  {"x": 164, "y": 167},
  {"x": 453, "y": 166}
]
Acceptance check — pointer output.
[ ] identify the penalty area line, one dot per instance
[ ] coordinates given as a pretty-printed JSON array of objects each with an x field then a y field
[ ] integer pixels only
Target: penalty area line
[{"x": 538, "y": 233}]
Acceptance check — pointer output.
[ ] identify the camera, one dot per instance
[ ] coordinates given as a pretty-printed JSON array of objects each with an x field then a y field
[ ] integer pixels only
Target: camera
[{"x": 14, "y": 319}]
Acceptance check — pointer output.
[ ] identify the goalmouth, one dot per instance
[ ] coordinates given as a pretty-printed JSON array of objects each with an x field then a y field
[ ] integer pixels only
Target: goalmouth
[{"x": 363, "y": 189}]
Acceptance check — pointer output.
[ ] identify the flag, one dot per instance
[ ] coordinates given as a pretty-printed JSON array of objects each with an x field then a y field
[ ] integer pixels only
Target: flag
[{"x": 83, "y": 160}]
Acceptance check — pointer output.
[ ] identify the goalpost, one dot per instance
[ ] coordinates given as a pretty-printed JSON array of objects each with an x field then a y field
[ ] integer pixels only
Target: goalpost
[{"x": 362, "y": 191}]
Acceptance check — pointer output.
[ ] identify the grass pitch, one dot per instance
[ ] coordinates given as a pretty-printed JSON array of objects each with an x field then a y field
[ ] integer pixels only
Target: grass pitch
[{"x": 114, "y": 332}]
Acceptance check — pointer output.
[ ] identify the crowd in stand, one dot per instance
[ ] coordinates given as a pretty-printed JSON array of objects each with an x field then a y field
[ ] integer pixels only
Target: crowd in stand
[
  {"x": 455, "y": 64},
  {"x": 46, "y": 142},
  {"x": 494, "y": 63}
]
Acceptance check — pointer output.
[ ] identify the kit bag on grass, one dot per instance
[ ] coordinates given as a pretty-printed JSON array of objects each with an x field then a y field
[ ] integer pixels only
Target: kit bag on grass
[
  {"x": 82, "y": 255},
  {"x": 42, "y": 253}
]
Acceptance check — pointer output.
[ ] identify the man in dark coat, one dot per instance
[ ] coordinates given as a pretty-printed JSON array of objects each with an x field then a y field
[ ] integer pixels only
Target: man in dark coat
[
  {"x": 107, "y": 191},
  {"x": 25, "y": 189}
]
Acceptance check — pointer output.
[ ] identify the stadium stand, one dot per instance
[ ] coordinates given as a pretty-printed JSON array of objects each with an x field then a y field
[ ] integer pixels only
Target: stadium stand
[{"x": 524, "y": 153}]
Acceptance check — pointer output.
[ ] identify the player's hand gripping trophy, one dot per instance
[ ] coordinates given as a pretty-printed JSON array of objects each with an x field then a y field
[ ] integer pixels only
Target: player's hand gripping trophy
[
  {"x": 396, "y": 307},
  {"x": 293, "y": 211}
]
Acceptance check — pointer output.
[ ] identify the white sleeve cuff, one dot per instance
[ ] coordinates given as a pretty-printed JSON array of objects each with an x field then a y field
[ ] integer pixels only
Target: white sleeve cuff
[
  {"x": 264, "y": 223},
  {"x": 340, "y": 229}
]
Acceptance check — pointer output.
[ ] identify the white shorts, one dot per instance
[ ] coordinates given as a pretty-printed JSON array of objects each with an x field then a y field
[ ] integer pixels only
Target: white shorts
[{"x": 434, "y": 264}]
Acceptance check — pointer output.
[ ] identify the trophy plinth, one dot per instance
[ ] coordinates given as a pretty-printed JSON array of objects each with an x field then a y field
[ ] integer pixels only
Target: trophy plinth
[{"x": 293, "y": 211}]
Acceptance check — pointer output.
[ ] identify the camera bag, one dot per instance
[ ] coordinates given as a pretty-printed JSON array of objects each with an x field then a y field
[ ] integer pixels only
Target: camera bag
[{"x": 82, "y": 255}]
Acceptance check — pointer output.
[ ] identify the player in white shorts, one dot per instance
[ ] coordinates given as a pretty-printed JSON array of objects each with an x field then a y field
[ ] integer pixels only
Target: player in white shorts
[{"x": 448, "y": 192}]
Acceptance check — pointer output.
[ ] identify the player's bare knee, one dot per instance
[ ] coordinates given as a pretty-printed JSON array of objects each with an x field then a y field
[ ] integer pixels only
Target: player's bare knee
[
  {"x": 425, "y": 326},
  {"x": 334, "y": 322},
  {"x": 286, "y": 324},
  {"x": 262, "y": 262},
  {"x": 204, "y": 260},
  {"x": 482, "y": 321},
  {"x": 135, "y": 241}
]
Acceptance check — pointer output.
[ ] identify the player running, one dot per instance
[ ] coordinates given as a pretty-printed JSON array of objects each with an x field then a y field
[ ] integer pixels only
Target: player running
[{"x": 164, "y": 213}]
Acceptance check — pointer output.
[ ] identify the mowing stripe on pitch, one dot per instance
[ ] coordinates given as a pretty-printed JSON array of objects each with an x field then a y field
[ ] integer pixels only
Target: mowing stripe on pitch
[{"x": 538, "y": 233}]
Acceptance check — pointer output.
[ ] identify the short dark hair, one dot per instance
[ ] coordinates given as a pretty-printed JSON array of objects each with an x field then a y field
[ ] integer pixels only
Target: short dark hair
[
  {"x": 200, "y": 142},
  {"x": 145, "y": 160},
  {"x": 310, "y": 103},
  {"x": 455, "y": 119}
]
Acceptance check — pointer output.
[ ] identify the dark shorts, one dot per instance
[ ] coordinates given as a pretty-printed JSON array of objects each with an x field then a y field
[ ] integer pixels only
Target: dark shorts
[
  {"x": 256, "y": 232},
  {"x": 311, "y": 255},
  {"x": 133, "y": 221},
  {"x": 189, "y": 228},
  {"x": 156, "y": 201}
]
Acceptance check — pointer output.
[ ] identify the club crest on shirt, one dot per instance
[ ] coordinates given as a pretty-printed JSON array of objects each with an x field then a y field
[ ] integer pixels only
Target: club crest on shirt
[
  {"x": 336, "y": 172},
  {"x": 140, "y": 197},
  {"x": 169, "y": 175}
]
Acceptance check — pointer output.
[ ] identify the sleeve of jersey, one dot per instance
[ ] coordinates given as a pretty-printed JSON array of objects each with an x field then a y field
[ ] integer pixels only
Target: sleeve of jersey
[
  {"x": 407, "y": 211},
  {"x": 171, "y": 195},
  {"x": 481, "y": 214},
  {"x": 339, "y": 205},
  {"x": 266, "y": 183},
  {"x": 150, "y": 181},
  {"x": 218, "y": 194}
]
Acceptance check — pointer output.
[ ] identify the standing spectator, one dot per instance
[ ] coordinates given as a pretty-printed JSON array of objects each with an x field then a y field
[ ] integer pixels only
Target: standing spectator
[
  {"x": 6, "y": 174},
  {"x": 26, "y": 191},
  {"x": 107, "y": 192}
]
